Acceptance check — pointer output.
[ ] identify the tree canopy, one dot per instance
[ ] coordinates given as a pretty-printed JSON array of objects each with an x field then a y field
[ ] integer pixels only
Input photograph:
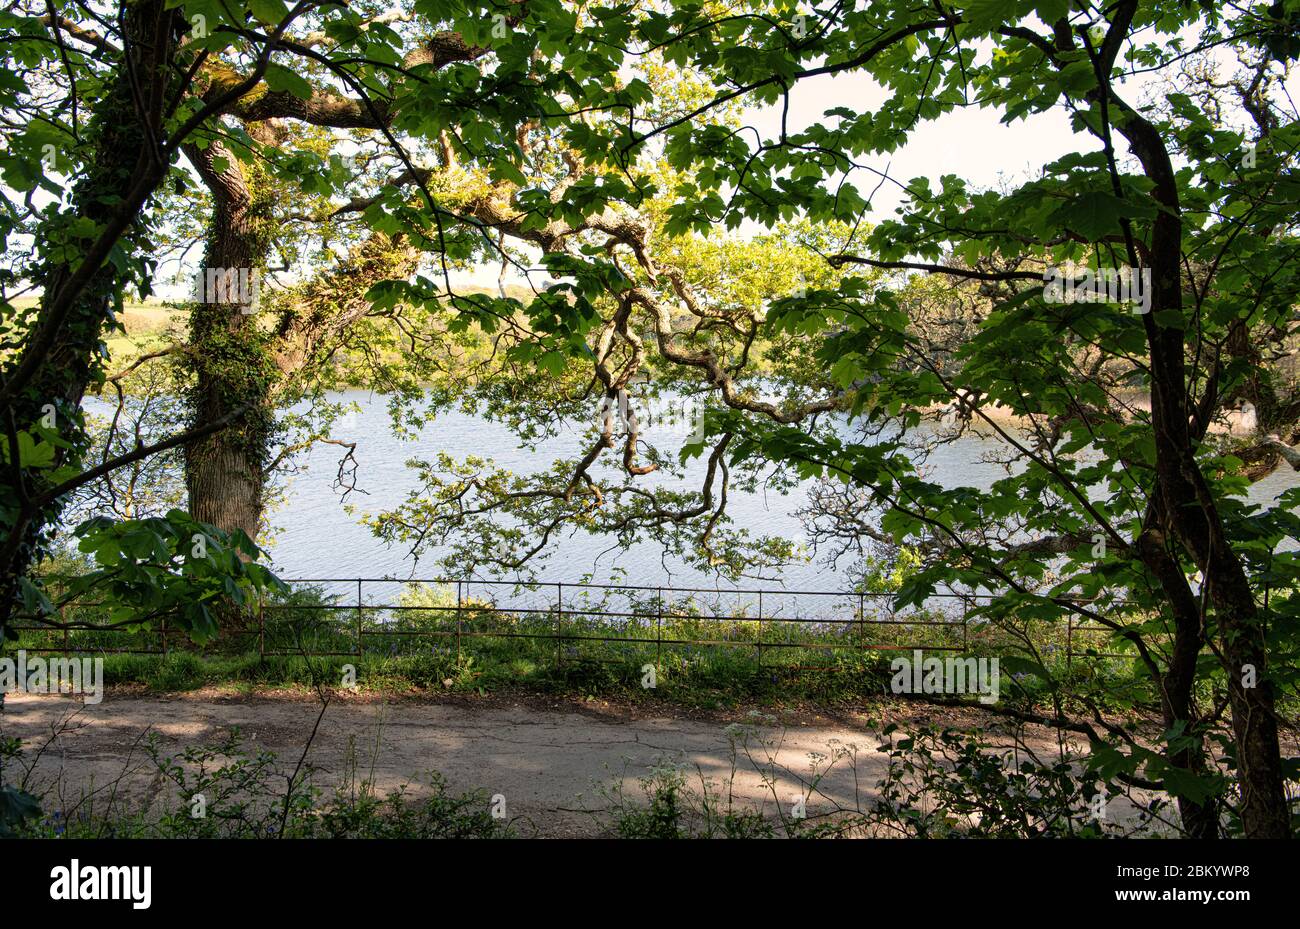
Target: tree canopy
[{"x": 1103, "y": 319}]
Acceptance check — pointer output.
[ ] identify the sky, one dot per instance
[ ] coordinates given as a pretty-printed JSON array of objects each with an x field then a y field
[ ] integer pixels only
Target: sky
[{"x": 969, "y": 142}]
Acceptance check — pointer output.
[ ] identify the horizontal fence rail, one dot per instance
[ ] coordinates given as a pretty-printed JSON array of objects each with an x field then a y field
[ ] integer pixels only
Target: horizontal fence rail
[{"x": 351, "y": 617}]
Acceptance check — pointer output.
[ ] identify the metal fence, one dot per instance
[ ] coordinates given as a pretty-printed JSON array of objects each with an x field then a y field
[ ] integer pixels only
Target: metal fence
[
  {"x": 635, "y": 611},
  {"x": 365, "y": 618}
]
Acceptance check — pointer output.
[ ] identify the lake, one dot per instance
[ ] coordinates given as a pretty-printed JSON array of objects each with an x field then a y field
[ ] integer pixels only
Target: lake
[{"x": 316, "y": 538}]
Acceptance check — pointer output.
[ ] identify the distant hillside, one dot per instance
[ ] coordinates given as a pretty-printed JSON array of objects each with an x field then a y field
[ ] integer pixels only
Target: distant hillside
[{"x": 138, "y": 318}]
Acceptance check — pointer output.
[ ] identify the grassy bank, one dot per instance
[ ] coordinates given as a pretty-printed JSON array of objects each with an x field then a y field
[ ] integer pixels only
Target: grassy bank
[
  {"x": 679, "y": 652},
  {"x": 704, "y": 679}
]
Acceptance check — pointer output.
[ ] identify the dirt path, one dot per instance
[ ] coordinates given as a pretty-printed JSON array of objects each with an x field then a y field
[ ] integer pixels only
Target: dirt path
[{"x": 547, "y": 758}]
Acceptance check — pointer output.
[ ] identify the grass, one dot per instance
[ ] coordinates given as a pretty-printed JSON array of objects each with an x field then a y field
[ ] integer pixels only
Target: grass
[
  {"x": 688, "y": 657},
  {"x": 145, "y": 326},
  {"x": 700, "y": 676}
]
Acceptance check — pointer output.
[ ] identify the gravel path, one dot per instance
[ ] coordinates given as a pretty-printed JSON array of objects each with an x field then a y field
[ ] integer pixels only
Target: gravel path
[{"x": 547, "y": 758}]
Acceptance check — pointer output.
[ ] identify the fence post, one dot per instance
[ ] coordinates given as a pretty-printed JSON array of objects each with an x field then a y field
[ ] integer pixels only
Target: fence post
[
  {"x": 965, "y": 625},
  {"x": 862, "y": 620},
  {"x": 559, "y": 619},
  {"x": 460, "y": 607},
  {"x": 361, "y": 648},
  {"x": 659, "y": 631},
  {"x": 261, "y": 627},
  {"x": 760, "y": 627}
]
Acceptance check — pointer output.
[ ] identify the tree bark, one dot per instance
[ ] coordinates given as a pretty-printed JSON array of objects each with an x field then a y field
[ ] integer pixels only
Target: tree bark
[
  {"x": 1177, "y": 683},
  {"x": 229, "y": 359}
]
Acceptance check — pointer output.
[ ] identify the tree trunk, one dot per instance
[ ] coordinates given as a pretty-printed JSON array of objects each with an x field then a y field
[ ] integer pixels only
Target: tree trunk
[
  {"x": 1193, "y": 514},
  {"x": 231, "y": 366},
  {"x": 237, "y": 364},
  {"x": 1200, "y": 819},
  {"x": 58, "y": 362}
]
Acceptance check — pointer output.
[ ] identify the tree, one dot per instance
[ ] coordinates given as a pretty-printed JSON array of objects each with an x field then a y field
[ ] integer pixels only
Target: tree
[
  {"x": 1184, "y": 243},
  {"x": 1185, "y": 251},
  {"x": 86, "y": 257},
  {"x": 261, "y": 172},
  {"x": 196, "y": 63},
  {"x": 1205, "y": 232}
]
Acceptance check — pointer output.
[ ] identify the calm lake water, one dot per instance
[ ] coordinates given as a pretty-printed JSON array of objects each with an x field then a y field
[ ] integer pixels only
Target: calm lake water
[{"x": 316, "y": 538}]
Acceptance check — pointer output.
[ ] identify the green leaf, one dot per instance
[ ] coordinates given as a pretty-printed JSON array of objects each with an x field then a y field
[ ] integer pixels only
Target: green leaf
[
  {"x": 279, "y": 78},
  {"x": 16, "y": 806},
  {"x": 270, "y": 12},
  {"x": 1182, "y": 783},
  {"x": 1094, "y": 215}
]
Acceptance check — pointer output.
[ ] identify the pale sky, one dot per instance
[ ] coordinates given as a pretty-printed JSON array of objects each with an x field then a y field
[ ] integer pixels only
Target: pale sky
[{"x": 970, "y": 142}]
